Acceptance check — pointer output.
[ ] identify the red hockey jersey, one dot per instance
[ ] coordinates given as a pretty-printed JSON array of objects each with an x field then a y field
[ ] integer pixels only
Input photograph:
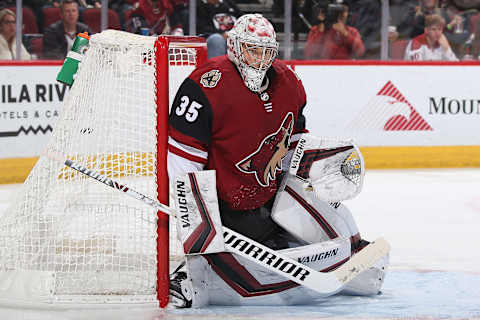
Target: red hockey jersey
[{"x": 244, "y": 134}]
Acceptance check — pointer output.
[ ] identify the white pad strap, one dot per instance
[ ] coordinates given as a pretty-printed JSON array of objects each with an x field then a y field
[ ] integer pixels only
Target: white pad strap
[
  {"x": 333, "y": 168},
  {"x": 199, "y": 226}
]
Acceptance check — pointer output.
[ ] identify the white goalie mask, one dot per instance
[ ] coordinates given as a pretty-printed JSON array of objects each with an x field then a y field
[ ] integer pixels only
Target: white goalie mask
[{"x": 252, "y": 46}]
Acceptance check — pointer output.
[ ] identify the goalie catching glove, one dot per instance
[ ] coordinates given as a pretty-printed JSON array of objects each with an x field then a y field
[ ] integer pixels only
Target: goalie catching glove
[{"x": 333, "y": 168}]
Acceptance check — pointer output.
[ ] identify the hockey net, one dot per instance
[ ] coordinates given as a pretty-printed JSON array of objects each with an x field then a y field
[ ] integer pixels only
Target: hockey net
[{"x": 70, "y": 241}]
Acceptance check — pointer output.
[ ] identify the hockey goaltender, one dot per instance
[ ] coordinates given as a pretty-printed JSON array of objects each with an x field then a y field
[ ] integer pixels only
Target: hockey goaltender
[{"x": 274, "y": 186}]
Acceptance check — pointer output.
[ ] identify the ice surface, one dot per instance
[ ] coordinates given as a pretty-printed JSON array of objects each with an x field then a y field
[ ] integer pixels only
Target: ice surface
[{"x": 430, "y": 217}]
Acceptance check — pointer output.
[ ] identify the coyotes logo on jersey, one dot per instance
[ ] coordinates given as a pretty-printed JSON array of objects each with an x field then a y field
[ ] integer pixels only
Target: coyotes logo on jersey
[{"x": 267, "y": 159}]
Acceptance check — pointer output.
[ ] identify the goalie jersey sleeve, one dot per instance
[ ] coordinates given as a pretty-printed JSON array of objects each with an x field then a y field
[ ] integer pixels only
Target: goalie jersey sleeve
[{"x": 217, "y": 121}]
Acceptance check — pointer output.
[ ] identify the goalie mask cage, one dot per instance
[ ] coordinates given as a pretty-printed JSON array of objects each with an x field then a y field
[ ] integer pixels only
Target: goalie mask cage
[{"x": 69, "y": 241}]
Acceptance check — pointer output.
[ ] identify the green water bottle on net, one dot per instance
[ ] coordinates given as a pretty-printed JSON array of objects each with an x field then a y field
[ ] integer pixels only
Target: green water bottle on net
[{"x": 70, "y": 65}]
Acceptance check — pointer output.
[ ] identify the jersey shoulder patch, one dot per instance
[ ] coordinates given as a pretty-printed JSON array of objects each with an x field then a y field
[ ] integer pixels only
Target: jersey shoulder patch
[{"x": 210, "y": 78}]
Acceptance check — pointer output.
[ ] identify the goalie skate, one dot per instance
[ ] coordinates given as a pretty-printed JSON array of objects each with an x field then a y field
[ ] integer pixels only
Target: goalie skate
[{"x": 180, "y": 290}]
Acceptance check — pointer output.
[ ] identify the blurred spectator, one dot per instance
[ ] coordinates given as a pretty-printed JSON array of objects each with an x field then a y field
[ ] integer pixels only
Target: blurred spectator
[
  {"x": 36, "y": 6},
  {"x": 151, "y": 14},
  {"x": 366, "y": 17},
  {"x": 7, "y": 3},
  {"x": 457, "y": 29},
  {"x": 123, "y": 8},
  {"x": 467, "y": 4},
  {"x": 418, "y": 14},
  {"x": 300, "y": 9},
  {"x": 432, "y": 45},
  {"x": 179, "y": 19},
  {"x": 59, "y": 36},
  {"x": 407, "y": 22},
  {"x": 90, "y": 3},
  {"x": 476, "y": 41},
  {"x": 53, "y": 3},
  {"x": 332, "y": 38},
  {"x": 314, "y": 45},
  {"x": 8, "y": 40},
  {"x": 214, "y": 19},
  {"x": 82, "y": 4},
  {"x": 311, "y": 9},
  {"x": 402, "y": 13}
]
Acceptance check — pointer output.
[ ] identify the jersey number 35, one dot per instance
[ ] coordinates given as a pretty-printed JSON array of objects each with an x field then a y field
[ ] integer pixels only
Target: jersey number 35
[{"x": 187, "y": 109}]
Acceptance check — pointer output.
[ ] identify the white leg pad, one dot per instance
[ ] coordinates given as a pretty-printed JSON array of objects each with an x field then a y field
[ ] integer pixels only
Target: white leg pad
[
  {"x": 323, "y": 255},
  {"x": 220, "y": 288},
  {"x": 199, "y": 225},
  {"x": 306, "y": 217},
  {"x": 197, "y": 271}
]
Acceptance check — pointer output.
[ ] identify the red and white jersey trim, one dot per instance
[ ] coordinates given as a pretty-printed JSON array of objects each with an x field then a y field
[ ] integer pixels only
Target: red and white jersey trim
[
  {"x": 177, "y": 166},
  {"x": 418, "y": 50},
  {"x": 187, "y": 152}
]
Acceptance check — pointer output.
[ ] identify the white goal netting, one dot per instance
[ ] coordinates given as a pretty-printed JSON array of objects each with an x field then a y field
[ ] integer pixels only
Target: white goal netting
[{"x": 68, "y": 239}]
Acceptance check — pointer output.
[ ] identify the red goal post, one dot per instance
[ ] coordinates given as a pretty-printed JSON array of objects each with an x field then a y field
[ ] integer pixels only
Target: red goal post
[
  {"x": 69, "y": 242},
  {"x": 170, "y": 51}
]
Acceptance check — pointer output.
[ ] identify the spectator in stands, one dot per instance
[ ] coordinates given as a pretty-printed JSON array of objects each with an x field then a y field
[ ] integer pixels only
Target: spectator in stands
[
  {"x": 314, "y": 45},
  {"x": 52, "y": 3},
  {"x": 467, "y": 4},
  {"x": 82, "y": 4},
  {"x": 366, "y": 17},
  {"x": 333, "y": 38},
  {"x": 457, "y": 28},
  {"x": 415, "y": 20},
  {"x": 311, "y": 9},
  {"x": 402, "y": 13},
  {"x": 123, "y": 8},
  {"x": 36, "y": 6},
  {"x": 214, "y": 19},
  {"x": 476, "y": 42},
  {"x": 432, "y": 44},
  {"x": 7, "y": 4},
  {"x": 90, "y": 3},
  {"x": 8, "y": 40},
  {"x": 59, "y": 36},
  {"x": 179, "y": 19},
  {"x": 150, "y": 14}
]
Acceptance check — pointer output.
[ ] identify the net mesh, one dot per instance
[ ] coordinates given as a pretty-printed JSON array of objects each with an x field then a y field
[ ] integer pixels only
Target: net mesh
[{"x": 92, "y": 241}]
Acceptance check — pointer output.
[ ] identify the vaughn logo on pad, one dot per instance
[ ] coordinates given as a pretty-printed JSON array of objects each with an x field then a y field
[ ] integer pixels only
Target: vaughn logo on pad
[{"x": 389, "y": 111}]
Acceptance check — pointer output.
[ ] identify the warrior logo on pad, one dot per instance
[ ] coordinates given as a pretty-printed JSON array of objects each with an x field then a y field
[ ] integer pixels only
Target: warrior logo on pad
[{"x": 267, "y": 159}]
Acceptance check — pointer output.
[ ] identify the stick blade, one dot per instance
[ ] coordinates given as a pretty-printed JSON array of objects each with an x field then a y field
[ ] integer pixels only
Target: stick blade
[{"x": 363, "y": 260}]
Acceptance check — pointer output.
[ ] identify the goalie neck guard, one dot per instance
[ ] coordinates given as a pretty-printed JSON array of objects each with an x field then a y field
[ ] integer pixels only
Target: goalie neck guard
[{"x": 252, "y": 47}]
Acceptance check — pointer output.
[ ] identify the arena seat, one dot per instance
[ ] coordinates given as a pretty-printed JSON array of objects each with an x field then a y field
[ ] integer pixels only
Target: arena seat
[
  {"x": 29, "y": 21},
  {"x": 128, "y": 13},
  {"x": 92, "y": 18},
  {"x": 50, "y": 15},
  {"x": 37, "y": 47},
  {"x": 397, "y": 49},
  {"x": 473, "y": 23}
]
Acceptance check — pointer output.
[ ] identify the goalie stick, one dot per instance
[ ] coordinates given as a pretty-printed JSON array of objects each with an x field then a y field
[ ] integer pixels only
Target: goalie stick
[{"x": 324, "y": 283}]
